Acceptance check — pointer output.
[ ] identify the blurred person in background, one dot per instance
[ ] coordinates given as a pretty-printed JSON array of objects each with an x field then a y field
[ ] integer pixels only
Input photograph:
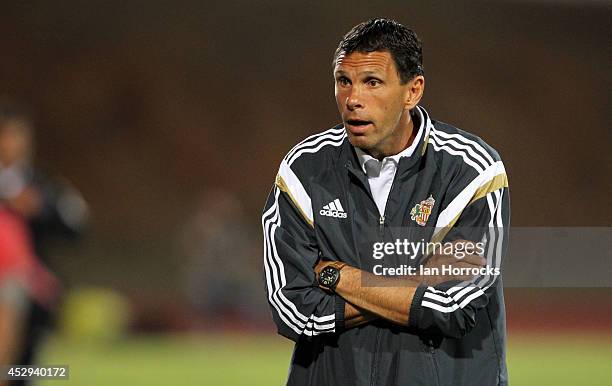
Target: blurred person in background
[
  {"x": 36, "y": 208},
  {"x": 15, "y": 257},
  {"x": 222, "y": 250}
]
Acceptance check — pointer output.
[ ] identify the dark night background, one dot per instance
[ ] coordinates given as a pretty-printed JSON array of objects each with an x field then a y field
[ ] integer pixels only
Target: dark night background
[{"x": 149, "y": 106}]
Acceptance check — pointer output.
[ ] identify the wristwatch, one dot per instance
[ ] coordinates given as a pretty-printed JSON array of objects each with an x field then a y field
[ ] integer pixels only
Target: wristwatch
[{"x": 330, "y": 275}]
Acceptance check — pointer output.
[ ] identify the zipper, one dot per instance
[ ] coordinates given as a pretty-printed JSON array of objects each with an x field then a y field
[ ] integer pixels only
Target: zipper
[
  {"x": 381, "y": 220},
  {"x": 381, "y": 233},
  {"x": 432, "y": 352},
  {"x": 375, "y": 360},
  {"x": 381, "y": 226}
]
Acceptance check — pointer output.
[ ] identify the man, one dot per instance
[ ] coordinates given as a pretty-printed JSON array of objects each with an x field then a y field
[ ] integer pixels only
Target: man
[{"x": 389, "y": 176}]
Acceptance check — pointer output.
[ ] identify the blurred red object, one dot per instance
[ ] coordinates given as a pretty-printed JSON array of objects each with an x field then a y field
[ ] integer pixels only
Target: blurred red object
[{"x": 18, "y": 261}]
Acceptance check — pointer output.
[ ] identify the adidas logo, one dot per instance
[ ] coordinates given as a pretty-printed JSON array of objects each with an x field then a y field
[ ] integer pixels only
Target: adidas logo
[{"x": 333, "y": 209}]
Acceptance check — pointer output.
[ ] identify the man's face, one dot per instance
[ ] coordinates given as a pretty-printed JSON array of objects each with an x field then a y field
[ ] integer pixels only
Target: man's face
[
  {"x": 14, "y": 143},
  {"x": 373, "y": 103}
]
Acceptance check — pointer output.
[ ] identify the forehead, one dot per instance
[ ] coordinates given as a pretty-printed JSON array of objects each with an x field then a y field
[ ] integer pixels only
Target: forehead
[
  {"x": 14, "y": 126},
  {"x": 364, "y": 61}
]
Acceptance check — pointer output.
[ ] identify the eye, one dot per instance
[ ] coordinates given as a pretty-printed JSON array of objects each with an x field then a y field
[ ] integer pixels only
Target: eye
[
  {"x": 373, "y": 82},
  {"x": 343, "y": 81}
]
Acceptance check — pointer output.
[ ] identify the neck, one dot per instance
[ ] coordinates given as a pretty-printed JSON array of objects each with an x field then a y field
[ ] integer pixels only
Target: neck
[{"x": 399, "y": 140}]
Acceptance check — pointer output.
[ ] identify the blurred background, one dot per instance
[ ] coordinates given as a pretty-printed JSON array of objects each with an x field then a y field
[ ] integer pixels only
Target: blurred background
[{"x": 154, "y": 130}]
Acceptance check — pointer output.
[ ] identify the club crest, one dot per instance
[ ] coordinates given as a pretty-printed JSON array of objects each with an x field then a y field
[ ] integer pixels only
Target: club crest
[{"x": 420, "y": 213}]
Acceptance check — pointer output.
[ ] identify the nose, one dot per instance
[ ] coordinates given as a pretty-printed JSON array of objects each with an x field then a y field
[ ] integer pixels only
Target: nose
[{"x": 353, "y": 100}]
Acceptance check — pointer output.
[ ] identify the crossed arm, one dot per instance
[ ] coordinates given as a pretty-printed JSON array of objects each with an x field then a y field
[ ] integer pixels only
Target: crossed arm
[
  {"x": 389, "y": 298},
  {"x": 436, "y": 305}
]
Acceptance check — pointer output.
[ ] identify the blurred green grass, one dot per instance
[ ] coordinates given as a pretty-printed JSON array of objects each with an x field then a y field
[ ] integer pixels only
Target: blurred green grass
[{"x": 243, "y": 359}]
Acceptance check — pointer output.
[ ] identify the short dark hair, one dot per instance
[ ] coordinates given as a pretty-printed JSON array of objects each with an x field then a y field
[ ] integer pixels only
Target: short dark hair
[
  {"x": 11, "y": 112},
  {"x": 386, "y": 35}
]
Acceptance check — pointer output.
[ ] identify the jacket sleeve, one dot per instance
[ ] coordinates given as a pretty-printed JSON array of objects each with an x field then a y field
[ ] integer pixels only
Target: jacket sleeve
[
  {"x": 299, "y": 307},
  {"x": 449, "y": 309}
]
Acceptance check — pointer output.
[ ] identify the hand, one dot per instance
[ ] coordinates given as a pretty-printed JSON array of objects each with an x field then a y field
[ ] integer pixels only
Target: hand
[{"x": 28, "y": 203}]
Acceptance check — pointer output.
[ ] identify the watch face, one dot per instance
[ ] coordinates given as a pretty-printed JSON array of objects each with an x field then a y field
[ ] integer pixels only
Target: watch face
[{"x": 329, "y": 276}]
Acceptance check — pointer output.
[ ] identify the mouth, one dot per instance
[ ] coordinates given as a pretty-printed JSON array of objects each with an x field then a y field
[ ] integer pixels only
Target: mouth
[{"x": 358, "y": 126}]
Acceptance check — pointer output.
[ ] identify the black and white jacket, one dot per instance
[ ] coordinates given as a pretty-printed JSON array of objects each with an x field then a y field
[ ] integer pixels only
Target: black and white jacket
[{"x": 321, "y": 205}]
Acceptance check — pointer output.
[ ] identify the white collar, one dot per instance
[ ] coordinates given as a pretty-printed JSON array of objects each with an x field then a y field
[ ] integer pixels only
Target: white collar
[{"x": 407, "y": 152}]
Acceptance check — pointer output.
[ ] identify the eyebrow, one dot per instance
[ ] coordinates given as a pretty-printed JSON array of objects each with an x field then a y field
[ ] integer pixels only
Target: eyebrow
[{"x": 366, "y": 73}]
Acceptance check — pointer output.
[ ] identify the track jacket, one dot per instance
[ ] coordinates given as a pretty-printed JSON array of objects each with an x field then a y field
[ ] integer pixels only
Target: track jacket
[{"x": 453, "y": 186}]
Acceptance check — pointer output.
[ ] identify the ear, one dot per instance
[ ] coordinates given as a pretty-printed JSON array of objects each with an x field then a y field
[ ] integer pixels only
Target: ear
[{"x": 414, "y": 91}]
